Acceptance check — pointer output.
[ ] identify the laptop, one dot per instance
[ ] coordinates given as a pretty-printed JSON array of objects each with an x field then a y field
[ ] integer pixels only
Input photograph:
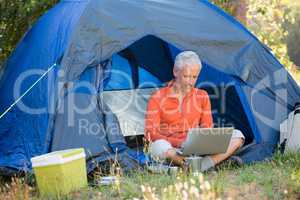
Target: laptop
[{"x": 206, "y": 141}]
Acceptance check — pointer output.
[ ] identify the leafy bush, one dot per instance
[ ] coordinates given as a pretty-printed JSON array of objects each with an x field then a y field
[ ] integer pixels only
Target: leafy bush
[
  {"x": 16, "y": 16},
  {"x": 275, "y": 23}
]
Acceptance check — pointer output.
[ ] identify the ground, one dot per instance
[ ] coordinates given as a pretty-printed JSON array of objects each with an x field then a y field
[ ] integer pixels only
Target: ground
[{"x": 278, "y": 178}]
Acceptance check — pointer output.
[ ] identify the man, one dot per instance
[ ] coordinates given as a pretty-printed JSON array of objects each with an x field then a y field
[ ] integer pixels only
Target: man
[{"x": 176, "y": 108}]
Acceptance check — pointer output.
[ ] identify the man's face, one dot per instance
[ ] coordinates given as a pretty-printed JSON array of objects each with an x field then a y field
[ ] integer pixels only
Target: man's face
[{"x": 187, "y": 76}]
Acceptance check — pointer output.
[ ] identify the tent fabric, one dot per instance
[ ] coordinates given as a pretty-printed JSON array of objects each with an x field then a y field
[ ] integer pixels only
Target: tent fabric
[
  {"x": 89, "y": 38},
  {"x": 85, "y": 130},
  {"x": 22, "y": 135},
  {"x": 68, "y": 135},
  {"x": 121, "y": 73}
]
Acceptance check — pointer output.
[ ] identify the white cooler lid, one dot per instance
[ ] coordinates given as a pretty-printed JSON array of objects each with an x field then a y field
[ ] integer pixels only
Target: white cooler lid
[{"x": 57, "y": 157}]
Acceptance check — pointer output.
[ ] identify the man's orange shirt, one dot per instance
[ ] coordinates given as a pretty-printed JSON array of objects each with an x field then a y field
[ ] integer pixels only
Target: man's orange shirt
[{"x": 165, "y": 119}]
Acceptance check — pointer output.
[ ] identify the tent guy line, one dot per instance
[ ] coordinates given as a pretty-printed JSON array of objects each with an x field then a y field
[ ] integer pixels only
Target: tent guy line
[{"x": 28, "y": 90}]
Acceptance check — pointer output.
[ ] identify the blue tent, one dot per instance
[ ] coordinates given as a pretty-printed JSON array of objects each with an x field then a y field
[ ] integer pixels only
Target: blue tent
[{"x": 84, "y": 41}]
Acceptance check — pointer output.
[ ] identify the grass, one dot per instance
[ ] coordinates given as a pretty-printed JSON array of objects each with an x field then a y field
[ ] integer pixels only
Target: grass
[{"x": 276, "y": 179}]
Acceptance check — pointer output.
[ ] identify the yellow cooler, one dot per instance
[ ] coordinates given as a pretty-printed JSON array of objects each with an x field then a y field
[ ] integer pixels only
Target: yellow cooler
[{"x": 59, "y": 172}]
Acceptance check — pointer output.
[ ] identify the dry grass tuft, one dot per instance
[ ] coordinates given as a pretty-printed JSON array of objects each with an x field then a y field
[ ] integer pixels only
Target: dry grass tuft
[
  {"x": 182, "y": 189},
  {"x": 17, "y": 189}
]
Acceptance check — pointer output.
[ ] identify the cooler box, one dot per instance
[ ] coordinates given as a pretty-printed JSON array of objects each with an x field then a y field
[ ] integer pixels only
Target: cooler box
[{"x": 60, "y": 172}]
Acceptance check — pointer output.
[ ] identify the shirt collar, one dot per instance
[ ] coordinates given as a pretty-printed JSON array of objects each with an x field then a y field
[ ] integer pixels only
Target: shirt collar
[{"x": 169, "y": 89}]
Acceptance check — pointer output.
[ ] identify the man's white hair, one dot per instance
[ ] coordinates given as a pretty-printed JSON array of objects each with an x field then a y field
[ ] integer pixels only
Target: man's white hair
[{"x": 187, "y": 58}]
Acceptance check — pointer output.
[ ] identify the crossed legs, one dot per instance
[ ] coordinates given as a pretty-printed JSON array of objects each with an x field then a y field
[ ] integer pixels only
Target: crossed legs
[
  {"x": 169, "y": 153},
  {"x": 234, "y": 145}
]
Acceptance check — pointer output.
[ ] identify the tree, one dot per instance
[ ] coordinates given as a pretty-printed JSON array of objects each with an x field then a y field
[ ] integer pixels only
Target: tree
[
  {"x": 266, "y": 19},
  {"x": 274, "y": 22},
  {"x": 16, "y": 16},
  {"x": 293, "y": 39},
  {"x": 236, "y": 8}
]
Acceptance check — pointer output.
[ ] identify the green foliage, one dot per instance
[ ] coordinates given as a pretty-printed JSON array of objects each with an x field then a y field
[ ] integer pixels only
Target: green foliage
[
  {"x": 266, "y": 18},
  {"x": 16, "y": 16},
  {"x": 226, "y": 5},
  {"x": 293, "y": 38},
  {"x": 275, "y": 23}
]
